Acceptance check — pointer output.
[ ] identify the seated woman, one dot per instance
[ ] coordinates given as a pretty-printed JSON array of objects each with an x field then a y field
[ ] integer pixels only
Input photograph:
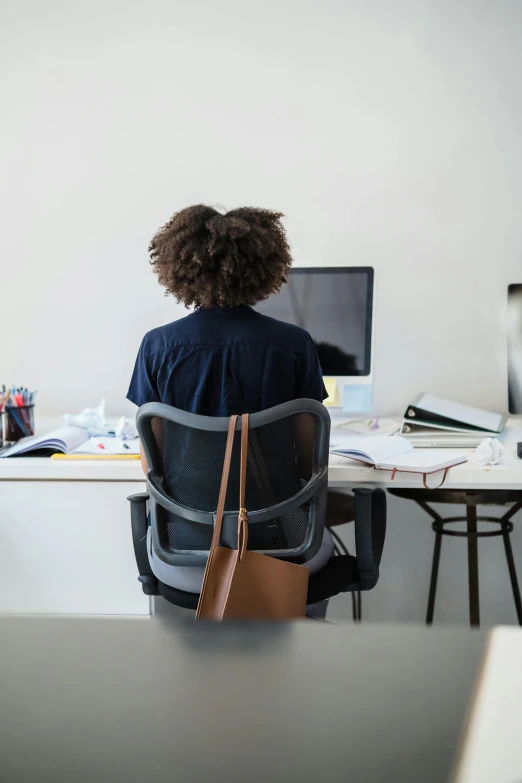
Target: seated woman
[{"x": 224, "y": 358}]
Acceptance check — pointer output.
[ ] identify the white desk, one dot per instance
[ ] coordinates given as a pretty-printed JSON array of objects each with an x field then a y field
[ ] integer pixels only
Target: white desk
[
  {"x": 507, "y": 475},
  {"x": 342, "y": 472},
  {"x": 492, "y": 749},
  {"x": 65, "y": 543}
]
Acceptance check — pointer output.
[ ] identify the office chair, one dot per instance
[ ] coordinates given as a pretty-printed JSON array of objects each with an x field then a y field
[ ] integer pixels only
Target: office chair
[{"x": 287, "y": 484}]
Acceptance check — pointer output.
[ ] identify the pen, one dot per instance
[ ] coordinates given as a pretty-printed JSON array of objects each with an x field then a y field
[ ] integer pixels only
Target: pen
[
  {"x": 4, "y": 398},
  {"x": 126, "y": 446}
]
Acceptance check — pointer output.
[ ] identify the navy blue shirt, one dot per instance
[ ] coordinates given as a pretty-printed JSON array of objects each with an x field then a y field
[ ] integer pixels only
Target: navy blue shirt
[{"x": 226, "y": 360}]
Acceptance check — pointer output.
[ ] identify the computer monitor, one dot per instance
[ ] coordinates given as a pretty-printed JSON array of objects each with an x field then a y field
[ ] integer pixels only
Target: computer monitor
[
  {"x": 514, "y": 335},
  {"x": 335, "y": 305}
]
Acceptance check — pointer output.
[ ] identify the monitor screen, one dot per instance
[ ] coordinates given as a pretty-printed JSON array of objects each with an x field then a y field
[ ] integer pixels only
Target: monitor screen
[
  {"x": 514, "y": 335},
  {"x": 333, "y": 304}
]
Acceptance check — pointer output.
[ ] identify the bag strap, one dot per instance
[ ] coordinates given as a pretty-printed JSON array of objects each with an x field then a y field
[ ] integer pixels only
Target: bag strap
[
  {"x": 244, "y": 458},
  {"x": 224, "y": 481},
  {"x": 242, "y": 520}
]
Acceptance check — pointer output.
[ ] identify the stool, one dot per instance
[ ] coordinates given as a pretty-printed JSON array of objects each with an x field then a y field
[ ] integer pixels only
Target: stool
[{"x": 471, "y": 500}]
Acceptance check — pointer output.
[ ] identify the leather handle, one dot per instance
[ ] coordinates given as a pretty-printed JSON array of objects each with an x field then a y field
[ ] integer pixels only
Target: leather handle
[
  {"x": 242, "y": 521},
  {"x": 244, "y": 457},
  {"x": 224, "y": 481}
]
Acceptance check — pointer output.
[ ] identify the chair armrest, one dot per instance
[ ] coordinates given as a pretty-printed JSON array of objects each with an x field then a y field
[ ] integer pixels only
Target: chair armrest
[
  {"x": 370, "y": 532},
  {"x": 139, "y": 497},
  {"x": 138, "y": 508}
]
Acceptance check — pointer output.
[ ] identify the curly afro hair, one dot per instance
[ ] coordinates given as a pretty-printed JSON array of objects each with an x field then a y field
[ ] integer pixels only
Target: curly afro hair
[{"x": 205, "y": 258}]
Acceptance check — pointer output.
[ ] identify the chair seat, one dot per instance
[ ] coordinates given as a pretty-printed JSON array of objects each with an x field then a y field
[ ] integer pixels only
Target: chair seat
[{"x": 338, "y": 575}]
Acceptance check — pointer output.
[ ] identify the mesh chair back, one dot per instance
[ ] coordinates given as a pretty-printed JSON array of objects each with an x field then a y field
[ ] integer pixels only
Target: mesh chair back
[{"x": 287, "y": 478}]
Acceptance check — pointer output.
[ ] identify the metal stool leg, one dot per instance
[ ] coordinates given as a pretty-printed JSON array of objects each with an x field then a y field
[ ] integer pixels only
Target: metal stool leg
[
  {"x": 434, "y": 574},
  {"x": 506, "y": 529},
  {"x": 438, "y": 528},
  {"x": 473, "y": 577}
]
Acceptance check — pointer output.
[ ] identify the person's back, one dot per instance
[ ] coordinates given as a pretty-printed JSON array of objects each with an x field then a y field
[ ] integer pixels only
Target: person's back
[{"x": 225, "y": 358}]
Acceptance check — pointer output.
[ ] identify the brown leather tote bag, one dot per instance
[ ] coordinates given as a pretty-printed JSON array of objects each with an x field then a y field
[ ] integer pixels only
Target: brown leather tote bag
[{"x": 244, "y": 585}]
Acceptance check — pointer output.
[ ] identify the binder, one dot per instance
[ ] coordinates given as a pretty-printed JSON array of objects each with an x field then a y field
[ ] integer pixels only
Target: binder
[
  {"x": 433, "y": 437},
  {"x": 438, "y": 413}
]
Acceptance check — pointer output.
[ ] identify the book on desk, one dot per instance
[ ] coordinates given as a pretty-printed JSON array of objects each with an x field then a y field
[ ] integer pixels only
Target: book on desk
[
  {"x": 73, "y": 443},
  {"x": 393, "y": 453}
]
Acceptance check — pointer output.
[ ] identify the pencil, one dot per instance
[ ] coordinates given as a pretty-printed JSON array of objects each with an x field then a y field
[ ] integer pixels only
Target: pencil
[{"x": 96, "y": 456}]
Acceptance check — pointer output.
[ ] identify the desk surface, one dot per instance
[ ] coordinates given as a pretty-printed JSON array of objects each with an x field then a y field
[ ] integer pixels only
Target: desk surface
[
  {"x": 139, "y": 700},
  {"x": 342, "y": 472}
]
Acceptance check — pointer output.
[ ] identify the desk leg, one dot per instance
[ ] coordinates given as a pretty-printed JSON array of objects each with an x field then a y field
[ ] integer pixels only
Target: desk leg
[{"x": 473, "y": 576}]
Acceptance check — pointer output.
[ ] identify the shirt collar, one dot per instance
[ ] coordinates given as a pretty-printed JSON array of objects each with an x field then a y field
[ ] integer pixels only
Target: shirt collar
[{"x": 230, "y": 311}]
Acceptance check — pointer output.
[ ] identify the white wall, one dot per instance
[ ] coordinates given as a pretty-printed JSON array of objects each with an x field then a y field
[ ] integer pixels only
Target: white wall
[{"x": 388, "y": 132}]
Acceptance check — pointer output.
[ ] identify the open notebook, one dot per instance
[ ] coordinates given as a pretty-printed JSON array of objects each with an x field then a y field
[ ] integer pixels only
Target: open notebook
[
  {"x": 74, "y": 443},
  {"x": 392, "y": 453}
]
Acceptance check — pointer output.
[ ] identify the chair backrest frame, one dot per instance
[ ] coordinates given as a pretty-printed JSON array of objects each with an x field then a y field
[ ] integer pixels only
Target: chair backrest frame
[{"x": 315, "y": 490}]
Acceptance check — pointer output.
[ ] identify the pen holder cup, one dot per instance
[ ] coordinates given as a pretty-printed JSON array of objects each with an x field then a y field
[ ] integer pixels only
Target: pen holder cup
[{"x": 19, "y": 422}]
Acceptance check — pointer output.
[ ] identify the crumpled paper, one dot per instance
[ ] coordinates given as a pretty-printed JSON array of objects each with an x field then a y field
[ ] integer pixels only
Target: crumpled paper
[
  {"x": 93, "y": 421},
  {"x": 90, "y": 419},
  {"x": 490, "y": 452},
  {"x": 126, "y": 429}
]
